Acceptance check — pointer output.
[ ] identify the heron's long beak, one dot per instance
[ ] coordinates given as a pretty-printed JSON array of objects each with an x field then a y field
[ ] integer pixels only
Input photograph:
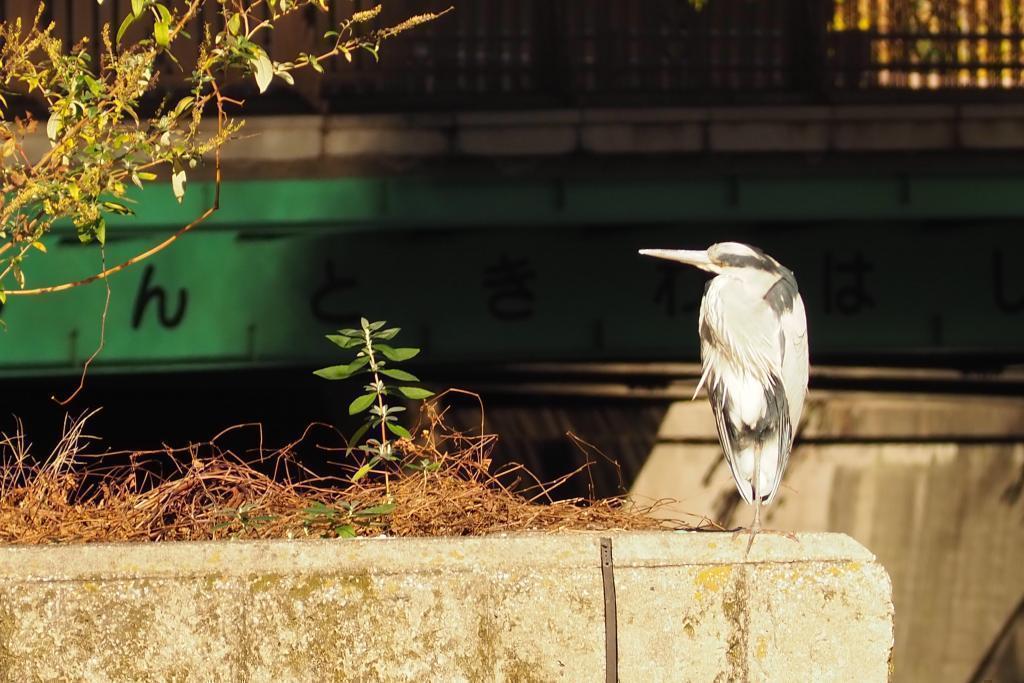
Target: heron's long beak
[{"x": 698, "y": 258}]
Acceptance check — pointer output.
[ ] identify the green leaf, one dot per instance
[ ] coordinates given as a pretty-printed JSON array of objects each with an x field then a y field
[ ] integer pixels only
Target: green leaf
[
  {"x": 387, "y": 334},
  {"x": 415, "y": 393},
  {"x": 344, "y": 342},
  {"x": 362, "y": 471},
  {"x": 357, "y": 436},
  {"x": 400, "y": 375},
  {"x": 399, "y": 354},
  {"x": 349, "y": 332},
  {"x": 101, "y": 230},
  {"x": 343, "y": 371},
  {"x": 234, "y": 23},
  {"x": 360, "y": 404},
  {"x": 345, "y": 531},
  {"x": 161, "y": 34},
  {"x": 120, "y": 209},
  {"x": 165, "y": 14},
  {"x": 334, "y": 372},
  {"x": 183, "y": 105},
  {"x": 263, "y": 69},
  {"x": 128, "y": 21},
  {"x": 398, "y": 430},
  {"x": 376, "y": 510},
  {"x": 318, "y": 509},
  {"x": 377, "y": 325},
  {"x": 137, "y": 7}
]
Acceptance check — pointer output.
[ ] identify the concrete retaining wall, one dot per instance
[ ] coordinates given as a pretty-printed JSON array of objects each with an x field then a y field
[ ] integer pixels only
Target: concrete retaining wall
[
  {"x": 932, "y": 484},
  {"x": 665, "y": 130},
  {"x": 521, "y": 608}
]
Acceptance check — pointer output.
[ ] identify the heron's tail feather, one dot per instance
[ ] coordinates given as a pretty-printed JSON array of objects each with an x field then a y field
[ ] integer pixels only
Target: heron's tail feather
[{"x": 703, "y": 378}]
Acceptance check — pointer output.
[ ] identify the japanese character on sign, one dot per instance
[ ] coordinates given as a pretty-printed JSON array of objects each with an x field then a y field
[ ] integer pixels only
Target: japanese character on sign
[
  {"x": 508, "y": 282},
  {"x": 148, "y": 292},
  {"x": 845, "y": 282},
  {"x": 333, "y": 284},
  {"x": 666, "y": 293}
]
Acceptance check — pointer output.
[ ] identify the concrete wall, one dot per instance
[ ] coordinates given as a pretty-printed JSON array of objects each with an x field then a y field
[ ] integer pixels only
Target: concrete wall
[
  {"x": 932, "y": 484},
  {"x": 298, "y": 140},
  {"x": 689, "y": 607}
]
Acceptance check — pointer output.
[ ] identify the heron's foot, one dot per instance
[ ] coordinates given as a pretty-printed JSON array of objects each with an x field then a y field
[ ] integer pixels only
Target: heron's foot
[
  {"x": 778, "y": 532},
  {"x": 788, "y": 534},
  {"x": 758, "y": 530},
  {"x": 753, "y": 530}
]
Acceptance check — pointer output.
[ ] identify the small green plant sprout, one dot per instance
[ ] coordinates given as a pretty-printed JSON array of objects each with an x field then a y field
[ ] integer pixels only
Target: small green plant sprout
[
  {"x": 376, "y": 359},
  {"x": 341, "y": 521},
  {"x": 242, "y": 516}
]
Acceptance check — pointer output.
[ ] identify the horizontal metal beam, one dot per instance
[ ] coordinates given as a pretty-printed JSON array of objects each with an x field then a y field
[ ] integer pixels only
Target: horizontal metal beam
[{"x": 411, "y": 203}]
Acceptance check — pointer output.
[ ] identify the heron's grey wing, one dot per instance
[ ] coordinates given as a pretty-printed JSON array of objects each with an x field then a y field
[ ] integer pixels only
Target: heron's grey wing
[
  {"x": 718, "y": 397},
  {"x": 793, "y": 375},
  {"x": 777, "y": 393}
]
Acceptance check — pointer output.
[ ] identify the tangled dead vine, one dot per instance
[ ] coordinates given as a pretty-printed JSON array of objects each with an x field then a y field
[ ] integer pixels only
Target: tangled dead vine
[{"x": 441, "y": 483}]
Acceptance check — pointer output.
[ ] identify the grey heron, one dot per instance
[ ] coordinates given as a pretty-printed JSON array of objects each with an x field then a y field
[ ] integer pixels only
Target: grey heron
[{"x": 753, "y": 347}]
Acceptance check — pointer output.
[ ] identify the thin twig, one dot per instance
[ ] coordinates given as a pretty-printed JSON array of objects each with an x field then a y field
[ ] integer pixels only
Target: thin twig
[{"x": 103, "y": 335}]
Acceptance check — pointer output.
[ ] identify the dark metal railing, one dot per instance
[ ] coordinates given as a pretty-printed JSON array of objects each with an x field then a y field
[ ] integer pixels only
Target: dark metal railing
[{"x": 500, "y": 53}]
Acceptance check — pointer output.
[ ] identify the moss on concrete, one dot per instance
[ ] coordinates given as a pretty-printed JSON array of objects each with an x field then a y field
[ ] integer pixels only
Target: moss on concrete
[{"x": 502, "y": 609}]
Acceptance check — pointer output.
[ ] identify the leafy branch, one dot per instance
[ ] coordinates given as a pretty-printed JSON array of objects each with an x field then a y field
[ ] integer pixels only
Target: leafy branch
[
  {"x": 377, "y": 360},
  {"x": 101, "y": 139}
]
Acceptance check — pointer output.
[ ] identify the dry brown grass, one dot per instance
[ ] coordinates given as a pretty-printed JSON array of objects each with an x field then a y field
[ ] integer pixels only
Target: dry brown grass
[{"x": 204, "y": 492}]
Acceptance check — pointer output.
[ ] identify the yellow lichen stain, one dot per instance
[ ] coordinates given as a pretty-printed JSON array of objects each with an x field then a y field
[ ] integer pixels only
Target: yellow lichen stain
[
  {"x": 90, "y": 587},
  {"x": 838, "y": 569},
  {"x": 263, "y": 583},
  {"x": 762, "y": 648},
  {"x": 713, "y": 578}
]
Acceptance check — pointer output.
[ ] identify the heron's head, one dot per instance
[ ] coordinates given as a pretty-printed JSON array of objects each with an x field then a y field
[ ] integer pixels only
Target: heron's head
[{"x": 724, "y": 257}]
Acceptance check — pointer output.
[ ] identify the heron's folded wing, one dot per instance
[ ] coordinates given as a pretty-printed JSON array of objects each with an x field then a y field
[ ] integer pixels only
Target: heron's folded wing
[
  {"x": 756, "y": 342},
  {"x": 718, "y": 397}
]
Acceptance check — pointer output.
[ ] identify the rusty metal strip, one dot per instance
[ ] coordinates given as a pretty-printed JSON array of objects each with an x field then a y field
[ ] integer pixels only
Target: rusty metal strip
[{"x": 611, "y": 625}]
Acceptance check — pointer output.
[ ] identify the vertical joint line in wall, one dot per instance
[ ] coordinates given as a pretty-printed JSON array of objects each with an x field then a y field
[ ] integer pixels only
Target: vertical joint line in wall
[
  {"x": 905, "y": 189},
  {"x": 611, "y": 627}
]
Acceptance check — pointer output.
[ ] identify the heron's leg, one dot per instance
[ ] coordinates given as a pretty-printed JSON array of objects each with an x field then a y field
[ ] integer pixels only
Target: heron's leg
[
  {"x": 756, "y": 526},
  {"x": 755, "y": 490}
]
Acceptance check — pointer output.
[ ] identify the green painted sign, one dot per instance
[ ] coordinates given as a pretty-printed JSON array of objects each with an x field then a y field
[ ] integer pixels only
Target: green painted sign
[{"x": 248, "y": 297}]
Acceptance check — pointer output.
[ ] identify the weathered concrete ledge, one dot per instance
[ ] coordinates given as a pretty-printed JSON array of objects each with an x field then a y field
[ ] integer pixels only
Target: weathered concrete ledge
[
  {"x": 616, "y": 131},
  {"x": 689, "y": 607}
]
